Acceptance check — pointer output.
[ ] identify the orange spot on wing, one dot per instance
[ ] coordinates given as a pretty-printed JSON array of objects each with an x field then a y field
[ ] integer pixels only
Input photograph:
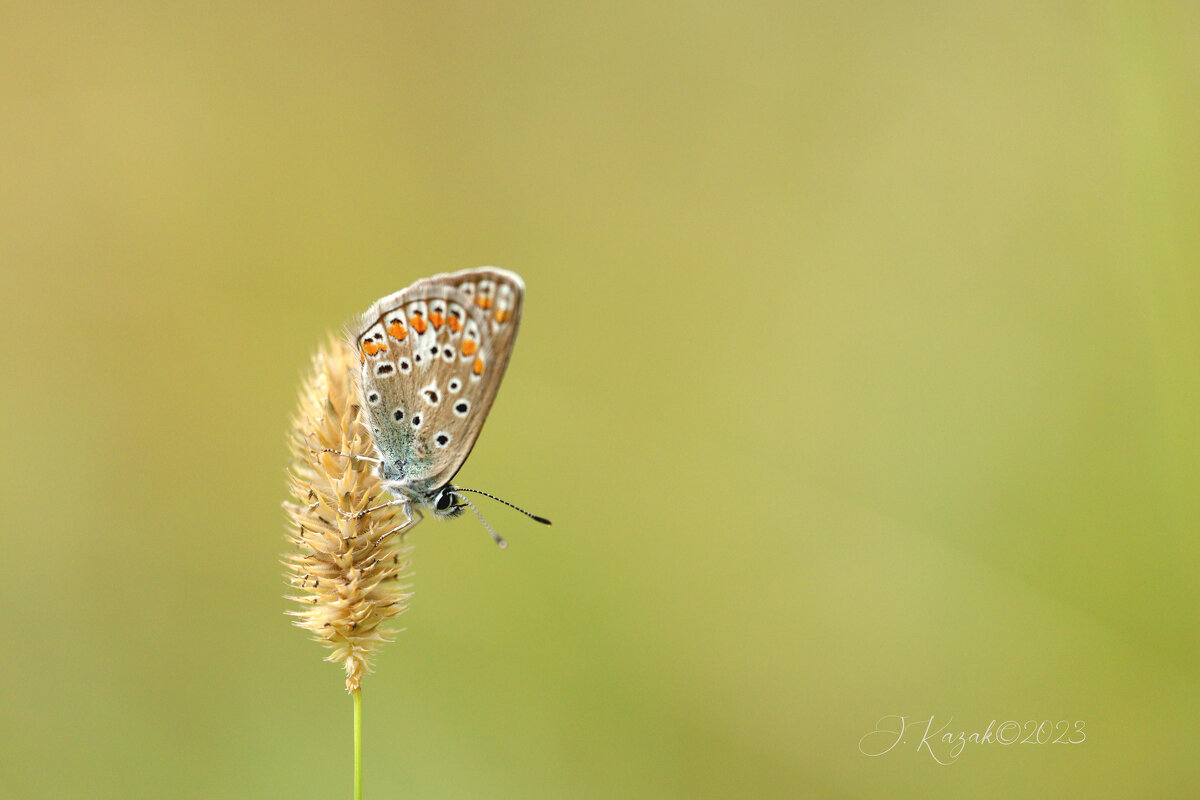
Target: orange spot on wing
[
  {"x": 478, "y": 368},
  {"x": 419, "y": 323},
  {"x": 370, "y": 348},
  {"x": 483, "y": 302},
  {"x": 436, "y": 319},
  {"x": 501, "y": 315},
  {"x": 397, "y": 330},
  {"x": 468, "y": 347},
  {"x": 454, "y": 324}
]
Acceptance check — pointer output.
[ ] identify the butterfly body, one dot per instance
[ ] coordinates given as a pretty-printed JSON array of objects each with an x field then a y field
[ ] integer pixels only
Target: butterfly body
[{"x": 432, "y": 357}]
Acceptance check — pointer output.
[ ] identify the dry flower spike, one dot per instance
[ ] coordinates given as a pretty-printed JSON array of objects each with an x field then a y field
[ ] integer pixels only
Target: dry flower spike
[{"x": 347, "y": 568}]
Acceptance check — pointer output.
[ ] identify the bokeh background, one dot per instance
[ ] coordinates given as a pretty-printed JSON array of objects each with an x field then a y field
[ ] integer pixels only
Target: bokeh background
[{"x": 859, "y": 373}]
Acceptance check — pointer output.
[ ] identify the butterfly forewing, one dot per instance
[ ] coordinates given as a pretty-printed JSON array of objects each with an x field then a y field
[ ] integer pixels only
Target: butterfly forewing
[{"x": 432, "y": 359}]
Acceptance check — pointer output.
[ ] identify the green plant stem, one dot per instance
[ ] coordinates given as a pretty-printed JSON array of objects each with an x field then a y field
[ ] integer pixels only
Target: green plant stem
[{"x": 357, "y": 744}]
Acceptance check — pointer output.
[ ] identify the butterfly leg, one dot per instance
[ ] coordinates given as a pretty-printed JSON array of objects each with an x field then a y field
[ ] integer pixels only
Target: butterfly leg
[
  {"x": 350, "y": 456},
  {"x": 411, "y": 522},
  {"x": 360, "y": 514}
]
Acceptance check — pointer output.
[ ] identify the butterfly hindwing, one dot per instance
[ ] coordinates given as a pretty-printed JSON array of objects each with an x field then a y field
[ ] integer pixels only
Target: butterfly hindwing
[{"x": 432, "y": 358}]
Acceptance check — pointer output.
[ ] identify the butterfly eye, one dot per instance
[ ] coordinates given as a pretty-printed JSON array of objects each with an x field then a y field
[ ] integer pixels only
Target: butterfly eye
[{"x": 444, "y": 501}]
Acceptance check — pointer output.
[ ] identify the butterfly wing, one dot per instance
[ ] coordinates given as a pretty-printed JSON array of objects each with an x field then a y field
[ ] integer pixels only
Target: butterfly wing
[{"x": 432, "y": 358}]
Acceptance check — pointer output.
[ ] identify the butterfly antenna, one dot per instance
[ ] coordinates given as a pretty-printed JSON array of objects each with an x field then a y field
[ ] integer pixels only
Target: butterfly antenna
[
  {"x": 534, "y": 517},
  {"x": 499, "y": 539}
]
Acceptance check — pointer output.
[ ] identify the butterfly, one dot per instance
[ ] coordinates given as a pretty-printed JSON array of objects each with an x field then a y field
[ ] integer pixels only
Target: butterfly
[{"x": 432, "y": 358}]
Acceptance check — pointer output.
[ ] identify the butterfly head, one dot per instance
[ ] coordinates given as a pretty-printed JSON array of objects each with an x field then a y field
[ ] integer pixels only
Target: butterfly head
[{"x": 445, "y": 503}]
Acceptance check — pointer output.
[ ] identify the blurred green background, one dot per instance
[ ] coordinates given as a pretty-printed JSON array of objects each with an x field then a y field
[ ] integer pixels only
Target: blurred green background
[{"x": 859, "y": 373}]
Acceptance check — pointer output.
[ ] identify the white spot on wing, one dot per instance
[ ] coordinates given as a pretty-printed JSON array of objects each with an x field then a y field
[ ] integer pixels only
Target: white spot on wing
[{"x": 431, "y": 394}]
